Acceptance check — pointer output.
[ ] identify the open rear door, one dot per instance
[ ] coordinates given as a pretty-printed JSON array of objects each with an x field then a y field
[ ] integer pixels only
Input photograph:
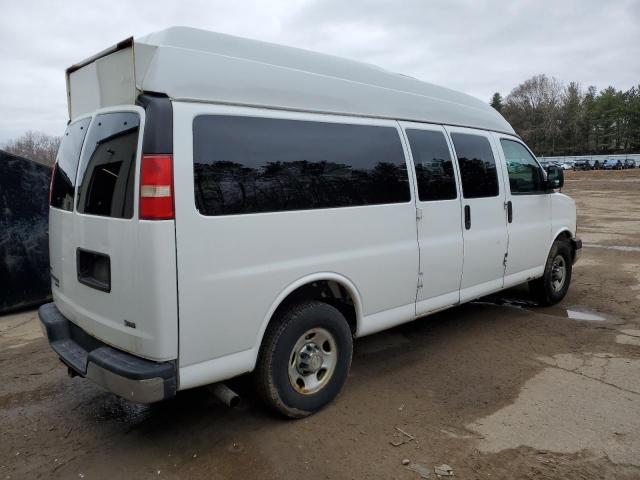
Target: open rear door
[{"x": 104, "y": 80}]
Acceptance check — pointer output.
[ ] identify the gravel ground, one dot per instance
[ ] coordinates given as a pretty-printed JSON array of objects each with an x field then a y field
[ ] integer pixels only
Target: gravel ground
[{"x": 494, "y": 389}]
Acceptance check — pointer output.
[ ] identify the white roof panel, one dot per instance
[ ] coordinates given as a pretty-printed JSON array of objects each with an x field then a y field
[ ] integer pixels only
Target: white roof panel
[{"x": 198, "y": 65}]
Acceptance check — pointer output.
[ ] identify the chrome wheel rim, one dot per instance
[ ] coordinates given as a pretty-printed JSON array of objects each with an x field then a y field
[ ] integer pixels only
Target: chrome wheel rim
[
  {"x": 558, "y": 273},
  {"x": 312, "y": 361}
]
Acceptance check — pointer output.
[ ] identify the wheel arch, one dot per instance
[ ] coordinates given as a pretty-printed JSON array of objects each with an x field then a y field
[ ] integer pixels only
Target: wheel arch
[
  {"x": 565, "y": 234},
  {"x": 303, "y": 286}
]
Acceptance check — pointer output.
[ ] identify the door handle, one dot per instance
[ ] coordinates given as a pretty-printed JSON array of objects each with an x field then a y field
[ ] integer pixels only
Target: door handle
[
  {"x": 467, "y": 217},
  {"x": 509, "y": 211}
]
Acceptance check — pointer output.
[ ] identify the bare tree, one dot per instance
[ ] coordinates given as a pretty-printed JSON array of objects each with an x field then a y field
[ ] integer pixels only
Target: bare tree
[
  {"x": 36, "y": 146},
  {"x": 534, "y": 109}
]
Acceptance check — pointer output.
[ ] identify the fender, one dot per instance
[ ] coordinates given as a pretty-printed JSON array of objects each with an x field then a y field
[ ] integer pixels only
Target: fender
[
  {"x": 563, "y": 216},
  {"x": 238, "y": 363},
  {"x": 557, "y": 234},
  {"x": 314, "y": 277}
]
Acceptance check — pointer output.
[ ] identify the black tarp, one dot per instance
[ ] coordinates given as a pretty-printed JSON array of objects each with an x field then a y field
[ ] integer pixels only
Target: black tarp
[{"x": 24, "y": 245}]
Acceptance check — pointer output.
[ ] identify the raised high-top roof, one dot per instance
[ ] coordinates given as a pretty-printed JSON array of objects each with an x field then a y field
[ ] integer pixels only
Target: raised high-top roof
[{"x": 198, "y": 65}]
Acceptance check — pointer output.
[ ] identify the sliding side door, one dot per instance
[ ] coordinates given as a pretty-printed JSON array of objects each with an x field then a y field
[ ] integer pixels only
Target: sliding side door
[{"x": 438, "y": 217}]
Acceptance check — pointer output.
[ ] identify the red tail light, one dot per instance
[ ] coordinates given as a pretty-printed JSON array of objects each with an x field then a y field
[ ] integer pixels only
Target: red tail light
[
  {"x": 53, "y": 176},
  {"x": 156, "y": 187}
]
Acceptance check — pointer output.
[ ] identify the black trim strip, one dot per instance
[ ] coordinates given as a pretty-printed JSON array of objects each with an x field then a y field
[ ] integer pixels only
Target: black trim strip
[
  {"x": 158, "y": 127},
  {"x": 126, "y": 43}
]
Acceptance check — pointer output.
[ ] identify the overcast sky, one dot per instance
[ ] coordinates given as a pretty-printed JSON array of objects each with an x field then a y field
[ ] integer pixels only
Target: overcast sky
[{"x": 475, "y": 46}]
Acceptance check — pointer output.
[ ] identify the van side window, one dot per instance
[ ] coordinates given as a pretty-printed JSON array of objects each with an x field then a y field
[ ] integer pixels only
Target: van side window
[
  {"x": 525, "y": 175},
  {"x": 252, "y": 165},
  {"x": 108, "y": 166},
  {"x": 64, "y": 175},
  {"x": 434, "y": 167},
  {"x": 477, "y": 165}
]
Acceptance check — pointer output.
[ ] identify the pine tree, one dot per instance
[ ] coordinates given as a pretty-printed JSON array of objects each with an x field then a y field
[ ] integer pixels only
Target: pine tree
[{"x": 496, "y": 101}]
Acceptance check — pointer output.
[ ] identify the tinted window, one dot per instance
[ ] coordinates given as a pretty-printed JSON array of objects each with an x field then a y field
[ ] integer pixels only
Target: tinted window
[
  {"x": 477, "y": 165},
  {"x": 108, "y": 166},
  {"x": 64, "y": 180},
  {"x": 525, "y": 175},
  {"x": 434, "y": 167},
  {"x": 247, "y": 165}
]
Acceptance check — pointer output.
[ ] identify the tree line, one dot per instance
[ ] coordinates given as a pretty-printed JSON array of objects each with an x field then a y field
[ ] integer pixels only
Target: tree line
[
  {"x": 551, "y": 117},
  {"x": 36, "y": 146},
  {"x": 558, "y": 119}
]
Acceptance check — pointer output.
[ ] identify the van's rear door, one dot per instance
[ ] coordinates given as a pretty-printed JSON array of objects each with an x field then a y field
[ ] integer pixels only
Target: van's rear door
[{"x": 113, "y": 274}]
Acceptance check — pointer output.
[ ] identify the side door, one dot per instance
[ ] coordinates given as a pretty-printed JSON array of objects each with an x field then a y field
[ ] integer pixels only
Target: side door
[
  {"x": 439, "y": 217},
  {"x": 484, "y": 218},
  {"x": 528, "y": 211}
]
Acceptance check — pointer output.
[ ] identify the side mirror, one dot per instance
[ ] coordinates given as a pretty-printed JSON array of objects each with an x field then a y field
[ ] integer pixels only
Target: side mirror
[{"x": 555, "y": 177}]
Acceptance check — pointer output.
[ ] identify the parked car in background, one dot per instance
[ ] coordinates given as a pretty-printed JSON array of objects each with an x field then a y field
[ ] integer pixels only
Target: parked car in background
[
  {"x": 567, "y": 165},
  {"x": 596, "y": 165},
  {"x": 612, "y": 164},
  {"x": 630, "y": 163},
  {"x": 583, "y": 164},
  {"x": 550, "y": 163}
]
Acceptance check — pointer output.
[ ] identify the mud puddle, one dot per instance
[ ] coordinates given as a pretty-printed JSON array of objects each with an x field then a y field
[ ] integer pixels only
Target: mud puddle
[
  {"x": 586, "y": 316},
  {"x": 556, "y": 311}
]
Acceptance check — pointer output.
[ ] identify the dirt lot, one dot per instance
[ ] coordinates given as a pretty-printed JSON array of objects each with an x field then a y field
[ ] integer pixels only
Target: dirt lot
[{"x": 495, "y": 389}]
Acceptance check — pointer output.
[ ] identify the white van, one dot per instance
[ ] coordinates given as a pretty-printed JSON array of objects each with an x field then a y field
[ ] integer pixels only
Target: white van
[{"x": 222, "y": 206}]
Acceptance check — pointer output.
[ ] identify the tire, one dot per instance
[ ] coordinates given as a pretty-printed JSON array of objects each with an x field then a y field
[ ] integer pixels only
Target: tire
[
  {"x": 280, "y": 379},
  {"x": 550, "y": 289}
]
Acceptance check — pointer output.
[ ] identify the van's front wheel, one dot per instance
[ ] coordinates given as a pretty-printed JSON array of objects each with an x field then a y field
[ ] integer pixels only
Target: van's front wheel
[
  {"x": 305, "y": 359},
  {"x": 552, "y": 287}
]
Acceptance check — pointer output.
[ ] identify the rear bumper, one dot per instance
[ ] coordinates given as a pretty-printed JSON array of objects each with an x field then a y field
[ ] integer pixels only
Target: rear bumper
[
  {"x": 577, "y": 248},
  {"x": 126, "y": 375}
]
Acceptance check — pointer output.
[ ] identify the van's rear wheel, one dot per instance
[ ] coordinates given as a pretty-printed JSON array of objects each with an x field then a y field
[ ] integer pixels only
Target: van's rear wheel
[
  {"x": 552, "y": 287},
  {"x": 304, "y": 359}
]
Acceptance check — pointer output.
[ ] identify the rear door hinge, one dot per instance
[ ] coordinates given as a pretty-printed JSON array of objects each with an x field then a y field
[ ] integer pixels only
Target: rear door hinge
[
  {"x": 418, "y": 214},
  {"x": 420, "y": 284},
  {"x": 504, "y": 260}
]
